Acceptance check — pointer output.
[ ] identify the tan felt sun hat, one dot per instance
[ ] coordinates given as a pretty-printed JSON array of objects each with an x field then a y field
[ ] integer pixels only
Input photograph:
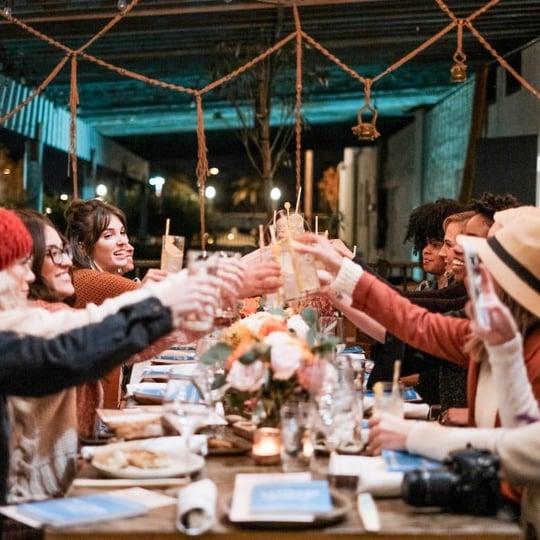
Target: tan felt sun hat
[{"x": 512, "y": 257}]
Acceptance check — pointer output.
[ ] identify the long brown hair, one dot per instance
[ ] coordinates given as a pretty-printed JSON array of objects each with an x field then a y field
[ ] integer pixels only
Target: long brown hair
[{"x": 86, "y": 220}]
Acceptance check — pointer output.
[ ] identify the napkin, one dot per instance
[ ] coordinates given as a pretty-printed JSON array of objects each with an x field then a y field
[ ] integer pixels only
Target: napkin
[
  {"x": 372, "y": 472},
  {"x": 197, "y": 507}
]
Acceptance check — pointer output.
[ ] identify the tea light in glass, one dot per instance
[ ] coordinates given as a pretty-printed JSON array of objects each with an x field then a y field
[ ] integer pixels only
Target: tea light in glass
[{"x": 266, "y": 446}]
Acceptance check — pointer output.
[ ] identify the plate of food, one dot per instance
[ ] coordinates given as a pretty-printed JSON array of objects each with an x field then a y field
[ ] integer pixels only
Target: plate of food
[
  {"x": 228, "y": 446},
  {"x": 132, "y": 423},
  {"x": 162, "y": 457}
]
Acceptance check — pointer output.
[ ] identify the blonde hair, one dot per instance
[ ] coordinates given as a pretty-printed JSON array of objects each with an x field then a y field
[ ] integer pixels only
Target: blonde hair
[{"x": 459, "y": 217}]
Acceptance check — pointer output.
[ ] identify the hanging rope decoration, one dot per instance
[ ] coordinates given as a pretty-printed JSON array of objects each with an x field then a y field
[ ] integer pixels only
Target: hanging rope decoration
[
  {"x": 367, "y": 131},
  {"x": 202, "y": 167},
  {"x": 367, "y": 128},
  {"x": 73, "y": 104},
  {"x": 298, "y": 125},
  {"x": 458, "y": 72}
]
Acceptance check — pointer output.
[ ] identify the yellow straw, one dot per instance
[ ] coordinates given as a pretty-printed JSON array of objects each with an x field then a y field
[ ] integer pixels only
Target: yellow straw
[
  {"x": 167, "y": 225},
  {"x": 298, "y": 199}
]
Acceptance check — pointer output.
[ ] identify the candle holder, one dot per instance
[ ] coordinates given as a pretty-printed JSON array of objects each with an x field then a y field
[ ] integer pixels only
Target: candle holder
[{"x": 266, "y": 446}]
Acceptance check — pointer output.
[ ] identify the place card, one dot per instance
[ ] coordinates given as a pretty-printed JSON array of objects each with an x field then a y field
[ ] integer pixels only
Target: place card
[
  {"x": 240, "y": 511},
  {"x": 287, "y": 497},
  {"x": 399, "y": 461}
]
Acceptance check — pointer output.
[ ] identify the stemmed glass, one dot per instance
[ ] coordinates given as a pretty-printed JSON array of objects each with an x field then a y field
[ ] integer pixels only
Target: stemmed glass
[
  {"x": 210, "y": 378},
  {"x": 336, "y": 411},
  {"x": 334, "y": 327},
  {"x": 185, "y": 408}
]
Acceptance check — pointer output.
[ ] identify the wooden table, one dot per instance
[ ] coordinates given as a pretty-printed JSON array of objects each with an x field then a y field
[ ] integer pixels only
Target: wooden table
[{"x": 398, "y": 519}]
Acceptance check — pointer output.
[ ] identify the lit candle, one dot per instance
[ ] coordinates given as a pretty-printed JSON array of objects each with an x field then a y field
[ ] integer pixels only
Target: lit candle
[{"x": 266, "y": 446}]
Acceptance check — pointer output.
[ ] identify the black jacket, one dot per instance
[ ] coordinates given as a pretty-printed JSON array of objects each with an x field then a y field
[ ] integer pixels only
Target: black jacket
[{"x": 33, "y": 366}]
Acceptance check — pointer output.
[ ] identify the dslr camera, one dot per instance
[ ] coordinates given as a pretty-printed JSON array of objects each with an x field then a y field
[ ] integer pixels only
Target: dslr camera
[{"x": 467, "y": 483}]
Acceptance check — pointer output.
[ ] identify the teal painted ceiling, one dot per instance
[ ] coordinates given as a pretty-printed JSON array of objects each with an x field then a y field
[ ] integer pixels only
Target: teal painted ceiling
[{"x": 179, "y": 43}]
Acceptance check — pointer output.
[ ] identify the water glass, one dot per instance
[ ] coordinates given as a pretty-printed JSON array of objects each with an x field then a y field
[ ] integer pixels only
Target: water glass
[
  {"x": 334, "y": 327},
  {"x": 184, "y": 408},
  {"x": 227, "y": 310},
  {"x": 388, "y": 397},
  {"x": 296, "y": 444},
  {"x": 172, "y": 252},
  {"x": 200, "y": 261}
]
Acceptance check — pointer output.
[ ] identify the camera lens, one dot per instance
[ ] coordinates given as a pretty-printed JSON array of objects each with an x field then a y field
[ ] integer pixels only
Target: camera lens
[{"x": 429, "y": 488}]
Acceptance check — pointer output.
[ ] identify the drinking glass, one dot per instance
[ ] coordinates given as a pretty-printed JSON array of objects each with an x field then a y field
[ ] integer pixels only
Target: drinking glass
[
  {"x": 211, "y": 379},
  {"x": 333, "y": 326},
  {"x": 172, "y": 252},
  {"x": 227, "y": 310},
  {"x": 296, "y": 445},
  {"x": 184, "y": 408},
  {"x": 200, "y": 261},
  {"x": 336, "y": 413},
  {"x": 388, "y": 397}
]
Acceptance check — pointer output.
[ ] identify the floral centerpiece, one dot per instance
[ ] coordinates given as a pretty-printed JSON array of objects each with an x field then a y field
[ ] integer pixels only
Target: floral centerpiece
[{"x": 267, "y": 359}]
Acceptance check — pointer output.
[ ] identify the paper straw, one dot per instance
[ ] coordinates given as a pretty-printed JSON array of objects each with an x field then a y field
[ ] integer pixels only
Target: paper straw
[
  {"x": 354, "y": 251},
  {"x": 298, "y": 199},
  {"x": 273, "y": 234},
  {"x": 397, "y": 371},
  {"x": 287, "y": 206},
  {"x": 316, "y": 224},
  {"x": 275, "y": 217},
  {"x": 261, "y": 237},
  {"x": 167, "y": 225}
]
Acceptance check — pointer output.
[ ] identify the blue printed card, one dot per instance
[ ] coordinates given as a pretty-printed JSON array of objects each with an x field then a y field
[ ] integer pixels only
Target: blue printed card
[
  {"x": 397, "y": 461},
  {"x": 83, "y": 509},
  {"x": 292, "y": 497}
]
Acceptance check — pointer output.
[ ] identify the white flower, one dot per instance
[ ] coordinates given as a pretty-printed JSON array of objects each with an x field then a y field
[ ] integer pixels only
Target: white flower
[
  {"x": 247, "y": 378},
  {"x": 285, "y": 354},
  {"x": 297, "y": 324}
]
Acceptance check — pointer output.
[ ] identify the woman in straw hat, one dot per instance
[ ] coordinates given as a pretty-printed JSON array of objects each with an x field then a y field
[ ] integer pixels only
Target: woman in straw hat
[{"x": 512, "y": 256}]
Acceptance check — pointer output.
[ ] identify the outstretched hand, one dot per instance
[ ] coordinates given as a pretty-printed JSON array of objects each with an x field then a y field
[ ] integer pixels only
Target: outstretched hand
[
  {"x": 321, "y": 249},
  {"x": 388, "y": 431},
  {"x": 502, "y": 326}
]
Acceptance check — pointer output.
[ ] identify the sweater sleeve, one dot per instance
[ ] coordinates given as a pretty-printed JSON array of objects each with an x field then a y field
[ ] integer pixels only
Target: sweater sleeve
[
  {"x": 519, "y": 448},
  {"x": 434, "y": 333},
  {"x": 512, "y": 386},
  {"x": 34, "y": 366}
]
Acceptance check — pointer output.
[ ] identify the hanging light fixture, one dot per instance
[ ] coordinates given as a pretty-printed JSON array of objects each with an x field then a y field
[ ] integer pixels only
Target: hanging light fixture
[{"x": 367, "y": 131}]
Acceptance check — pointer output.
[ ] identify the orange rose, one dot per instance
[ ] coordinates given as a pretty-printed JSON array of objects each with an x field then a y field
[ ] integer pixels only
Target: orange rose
[{"x": 272, "y": 325}]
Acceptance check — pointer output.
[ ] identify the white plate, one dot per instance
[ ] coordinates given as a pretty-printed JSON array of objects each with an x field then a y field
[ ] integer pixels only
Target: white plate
[{"x": 170, "y": 447}]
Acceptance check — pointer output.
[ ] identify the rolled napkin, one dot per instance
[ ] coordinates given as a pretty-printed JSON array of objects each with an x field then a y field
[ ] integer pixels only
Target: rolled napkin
[
  {"x": 197, "y": 507},
  {"x": 372, "y": 472}
]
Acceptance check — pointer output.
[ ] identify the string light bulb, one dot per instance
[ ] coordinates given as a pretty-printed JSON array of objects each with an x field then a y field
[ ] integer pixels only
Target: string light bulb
[
  {"x": 7, "y": 8},
  {"x": 121, "y": 5}
]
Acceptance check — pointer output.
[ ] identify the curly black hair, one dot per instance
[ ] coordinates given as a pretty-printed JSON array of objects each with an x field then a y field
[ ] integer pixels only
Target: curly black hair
[
  {"x": 426, "y": 221},
  {"x": 489, "y": 203}
]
